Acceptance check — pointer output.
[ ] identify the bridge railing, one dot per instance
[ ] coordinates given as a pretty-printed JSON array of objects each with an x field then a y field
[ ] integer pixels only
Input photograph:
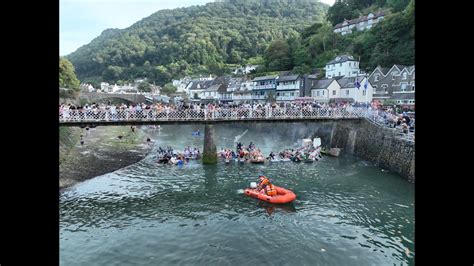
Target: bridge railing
[{"x": 212, "y": 115}]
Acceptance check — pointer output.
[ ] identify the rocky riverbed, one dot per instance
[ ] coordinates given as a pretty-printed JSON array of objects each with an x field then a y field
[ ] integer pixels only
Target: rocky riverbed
[{"x": 103, "y": 150}]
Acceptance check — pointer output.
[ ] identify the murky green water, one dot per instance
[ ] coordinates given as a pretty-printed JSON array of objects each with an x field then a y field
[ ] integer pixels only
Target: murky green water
[{"x": 347, "y": 212}]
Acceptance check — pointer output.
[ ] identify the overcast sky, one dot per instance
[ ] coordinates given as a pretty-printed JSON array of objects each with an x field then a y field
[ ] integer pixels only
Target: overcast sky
[{"x": 80, "y": 21}]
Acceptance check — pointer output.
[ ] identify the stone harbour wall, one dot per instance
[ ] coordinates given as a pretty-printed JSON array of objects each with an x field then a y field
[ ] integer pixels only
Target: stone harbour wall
[{"x": 380, "y": 145}]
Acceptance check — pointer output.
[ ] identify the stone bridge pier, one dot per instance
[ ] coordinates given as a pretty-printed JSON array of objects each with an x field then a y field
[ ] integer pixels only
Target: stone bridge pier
[{"x": 209, "y": 155}]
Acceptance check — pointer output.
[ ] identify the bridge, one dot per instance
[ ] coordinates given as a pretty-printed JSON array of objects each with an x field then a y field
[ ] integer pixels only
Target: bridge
[
  {"x": 113, "y": 116},
  {"x": 130, "y": 97}
]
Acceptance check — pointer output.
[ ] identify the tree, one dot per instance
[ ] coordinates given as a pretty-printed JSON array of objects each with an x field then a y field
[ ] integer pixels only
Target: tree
[
  {"x": 398, "y": 5},
  {"x": 168, "y": 89},
  {"x": 277, "y": 55},
  {"x": 112, "y": 73},
  {"x": 144, "y": 87},
  {"x": 194, "y": 40},
  {"x": 340, "y": 11},
  {"x": 67, "y": 75}
]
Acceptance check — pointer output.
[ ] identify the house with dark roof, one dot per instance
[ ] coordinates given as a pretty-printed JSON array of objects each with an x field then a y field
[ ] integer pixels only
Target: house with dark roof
[
  {"x": 195, "y": 89},
  {"x": 360, "y": 24},
  {"x": 343, "y": 65},
  {"x": 322, "y": 89},
  {"x": 308, "y": 81},
  {"x": 200, "y": 89},
  {"x": 288, "y": 88},
  {"x": 263, "y": 87},
  {"x": 398, "y": 84},
  {"x": 244, "y": 93}
]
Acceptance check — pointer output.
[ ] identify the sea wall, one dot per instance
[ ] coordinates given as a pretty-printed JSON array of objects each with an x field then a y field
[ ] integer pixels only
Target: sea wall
[{"x": 380, "y": 145}]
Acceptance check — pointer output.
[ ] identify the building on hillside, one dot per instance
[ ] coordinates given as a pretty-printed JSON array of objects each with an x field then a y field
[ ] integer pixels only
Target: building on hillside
[
  {"x": 323, "y": 89},
  {"x": 85, "y": 87},
  {"x": 343, "y": 65},
  {"x": 264, "y": 88},
  {"x": 244, "y": 92},
  {"x": 360, "y": 24},
  {"x": 244, "y": 69},
  {"x": 349, "y": 92},
  {"x": 181, "y": 84},
  {"x": 288, "y": 88},
  {"x": 396, "y": 83}
]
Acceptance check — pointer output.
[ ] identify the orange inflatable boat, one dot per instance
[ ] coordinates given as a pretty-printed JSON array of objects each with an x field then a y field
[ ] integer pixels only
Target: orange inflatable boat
[{"x": 283, "y": 195}]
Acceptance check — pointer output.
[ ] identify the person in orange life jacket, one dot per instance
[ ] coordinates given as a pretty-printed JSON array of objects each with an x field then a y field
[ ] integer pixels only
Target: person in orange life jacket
[
  {"x": 265, "y": 186},
  {"x": 263, "y": 182}
]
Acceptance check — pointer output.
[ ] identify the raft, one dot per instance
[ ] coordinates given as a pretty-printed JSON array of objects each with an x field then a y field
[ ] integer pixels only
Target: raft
[
  {"x": 283, "y": 195},
  {"x": 260, "y": 160}
]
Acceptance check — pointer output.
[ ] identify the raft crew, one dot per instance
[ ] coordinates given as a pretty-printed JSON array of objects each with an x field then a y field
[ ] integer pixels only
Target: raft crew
[{"x": 266, "y": 186}]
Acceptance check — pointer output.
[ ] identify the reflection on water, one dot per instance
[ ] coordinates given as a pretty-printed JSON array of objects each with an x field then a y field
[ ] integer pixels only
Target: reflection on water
[{"x": 347, "y": 211}]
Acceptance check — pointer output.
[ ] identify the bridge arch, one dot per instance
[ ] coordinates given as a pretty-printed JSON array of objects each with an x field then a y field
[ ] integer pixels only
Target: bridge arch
[{"x": 95, "y": 97}]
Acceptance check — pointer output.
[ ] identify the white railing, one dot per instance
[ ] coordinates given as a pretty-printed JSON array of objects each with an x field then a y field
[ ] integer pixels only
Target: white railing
[
  {"x": 266, "y": 113},
  {"x": 264, "y": 87},
  {"x": 286, "y": 98}
]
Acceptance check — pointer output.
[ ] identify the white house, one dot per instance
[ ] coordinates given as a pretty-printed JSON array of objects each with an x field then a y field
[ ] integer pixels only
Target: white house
[
  {"x": 360, "y": 24},
  {"x": 343, "y": 65},
  {"x": 181, "y": 84},
  {"x": 245, "y": 70},
  {"x": 244, "y": 93},
  {"x": 350, "y": 93},
  {"x": 104, "y": 86},
  {"x": 287, "y": 88},
  {"x": 211, "y": 93},
  {"x": 325, "y": 89},
  {"x": 87, "y": 87}
]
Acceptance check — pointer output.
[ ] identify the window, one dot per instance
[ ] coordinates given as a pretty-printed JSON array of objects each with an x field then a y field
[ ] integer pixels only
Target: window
[
  {"x": 403, "y": 86},
  {"x": 292, "y": 94},
  {"x": 339, "y": 73},
  {"x": 317, "y": 93},
  {"x": 363, "y": 92},
  {"x": 347, "y": 92},
  {"x": 323, "y": 93},
  {"x": 349, "y": 63},
  {"x": 377, "y": 77},
  {"x": 340, "y": 64},
  {"x": 333, "y": 92},
  {"x": 405, "y": 75},
  {"x": 262, "y": 83},
  {"x": 278, "y": 94}
]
